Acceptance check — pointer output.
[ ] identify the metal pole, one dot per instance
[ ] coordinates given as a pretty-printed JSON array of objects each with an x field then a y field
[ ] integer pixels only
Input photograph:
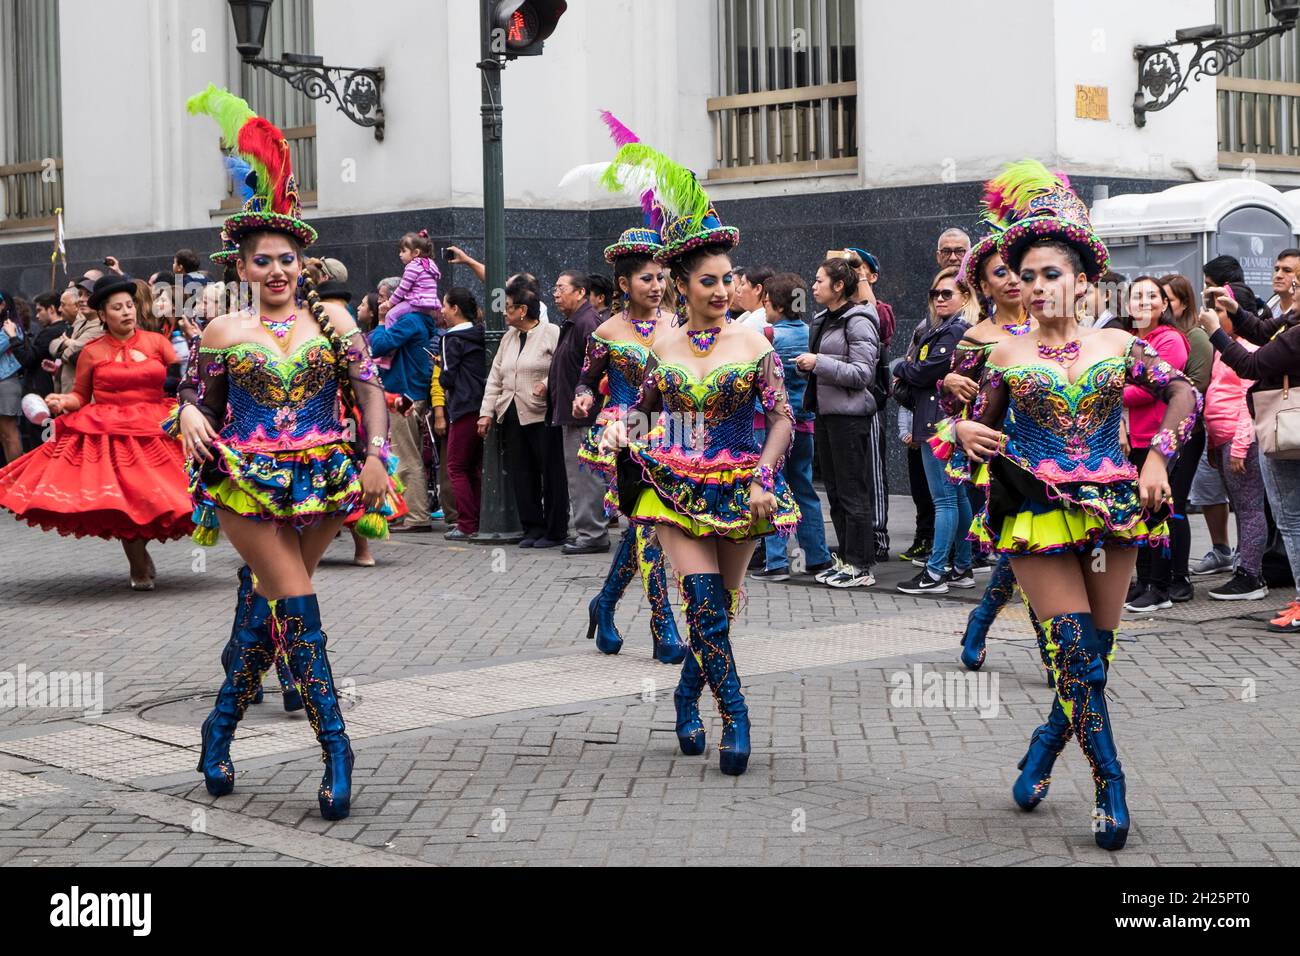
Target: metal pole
[{"x": 498, "y": 517}]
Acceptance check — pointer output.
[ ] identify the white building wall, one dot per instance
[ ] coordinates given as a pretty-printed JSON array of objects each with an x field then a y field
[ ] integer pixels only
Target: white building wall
[{"x": 941, "y": 99}]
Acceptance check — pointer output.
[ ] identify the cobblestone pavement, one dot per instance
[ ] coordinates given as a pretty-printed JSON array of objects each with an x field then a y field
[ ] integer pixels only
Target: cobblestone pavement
[{"x": 488, "y": 731}]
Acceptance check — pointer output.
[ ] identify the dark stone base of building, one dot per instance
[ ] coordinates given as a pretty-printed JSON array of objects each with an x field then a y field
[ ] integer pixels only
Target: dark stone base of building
[{"x": 789, "y": 233}]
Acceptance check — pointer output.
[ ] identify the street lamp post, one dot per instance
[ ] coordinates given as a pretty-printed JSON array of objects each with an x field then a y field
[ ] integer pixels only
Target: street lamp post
[{"x": 498, "y": 519}]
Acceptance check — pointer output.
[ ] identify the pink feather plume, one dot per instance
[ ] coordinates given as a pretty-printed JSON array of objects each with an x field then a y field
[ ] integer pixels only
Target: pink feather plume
[{"x": 620, "y": 133}]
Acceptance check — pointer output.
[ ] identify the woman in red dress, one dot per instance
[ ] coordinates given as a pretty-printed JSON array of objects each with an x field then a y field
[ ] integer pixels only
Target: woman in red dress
[{"x": 108, "y": 470}]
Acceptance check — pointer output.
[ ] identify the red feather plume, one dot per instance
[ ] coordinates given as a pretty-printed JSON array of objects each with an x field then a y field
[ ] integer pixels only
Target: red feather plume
[{"x": 263, "y": 141}]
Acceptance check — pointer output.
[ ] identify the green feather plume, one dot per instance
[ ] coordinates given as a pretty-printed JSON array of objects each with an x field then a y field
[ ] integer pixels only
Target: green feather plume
[
  {"x": 676, "y": 187},
  {"x": 1006, "y": 195},
  {"x": 231, "y": 113}
]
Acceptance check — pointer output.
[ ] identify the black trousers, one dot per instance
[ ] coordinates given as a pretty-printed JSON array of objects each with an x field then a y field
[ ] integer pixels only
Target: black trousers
[
  {"x": 535, "y": 459},
  {"x": 842, "y": 445},
  {"x": 921, "y": 498}
]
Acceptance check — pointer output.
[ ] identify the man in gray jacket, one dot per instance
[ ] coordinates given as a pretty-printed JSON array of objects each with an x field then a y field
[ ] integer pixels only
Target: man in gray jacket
[{"x": 841, "y": 364}]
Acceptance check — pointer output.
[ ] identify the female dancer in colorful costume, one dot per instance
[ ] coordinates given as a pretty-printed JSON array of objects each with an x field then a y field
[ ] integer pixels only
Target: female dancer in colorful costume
[
  {"x": 619, "y": 351},
  {"x": 1002, "y": 316},
  {"x": 107, "y": 471},
  {"x": 1063, "y": 501},
  {"x": 709, "y": 489},
  {"x": 274, "y": 466}
]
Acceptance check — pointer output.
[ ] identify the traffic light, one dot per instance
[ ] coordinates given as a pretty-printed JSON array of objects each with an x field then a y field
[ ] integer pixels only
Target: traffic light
[{"x": 527, "y": 23}]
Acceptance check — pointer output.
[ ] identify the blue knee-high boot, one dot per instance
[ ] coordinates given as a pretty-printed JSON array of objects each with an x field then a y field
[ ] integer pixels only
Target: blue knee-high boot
[
  {"x": 1079, "y": 653},
  {"x": 669, "y": 648},
  {"x": 243, "y": 603},
  {"x": 600, "y": 612},
  {"x": 296, "y": 624},
  {"x": 708, "y": 627},
  {"x": 1002, "y": 587},
  {"x": 250, "y": 655},
  {"x": 246, "y": 600}
]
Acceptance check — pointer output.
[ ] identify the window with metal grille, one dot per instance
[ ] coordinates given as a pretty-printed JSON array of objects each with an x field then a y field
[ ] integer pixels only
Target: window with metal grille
[
  {"x": 289, "y": 28},
  {"x": 787, "y": 78},
  {"x": 1259, "y": 96},
  {"x": 31, "y": 124}
]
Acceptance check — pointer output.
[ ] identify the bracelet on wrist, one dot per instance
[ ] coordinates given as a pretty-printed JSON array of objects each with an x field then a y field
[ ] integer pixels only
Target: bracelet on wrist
[{"x": 764, "y": 477}]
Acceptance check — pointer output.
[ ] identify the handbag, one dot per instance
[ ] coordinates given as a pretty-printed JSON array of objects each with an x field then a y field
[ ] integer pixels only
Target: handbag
[{"x": 1277, "y": 421}]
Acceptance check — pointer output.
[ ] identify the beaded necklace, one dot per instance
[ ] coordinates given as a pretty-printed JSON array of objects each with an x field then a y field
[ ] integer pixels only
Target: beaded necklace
[{"x": 702, "y": 342}]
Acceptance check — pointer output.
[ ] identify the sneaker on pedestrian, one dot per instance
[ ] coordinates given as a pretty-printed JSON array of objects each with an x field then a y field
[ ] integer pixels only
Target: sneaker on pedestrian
[
  {"x": 1181, "y": 590},
  {"x": 963, "y": 578},
  {"x": 546, "y": 543},
  {"x": 925, "y": 583},
  {"x": 1149, "y": 600},
  {"x": 1289, "y": 619},
  {"x": 438, "y": 516},
  {"x": 771, "y": 574},
  {"x": 882, "y": 555},
  {"x": 1218, "y": 558},
  {"x": 1242, "y": 586},
  {"x": 825, "y": 572},
  {"x": 527, "y": 542},
  {"x": 455, "y": 534},
  {"x": 1135, "y": 590},
  {"x": 817, "y": 570},
  {"x": 920, "y": 548},
  {"x": 849, "y": 576},
  {"x": 981, "y": 564}
]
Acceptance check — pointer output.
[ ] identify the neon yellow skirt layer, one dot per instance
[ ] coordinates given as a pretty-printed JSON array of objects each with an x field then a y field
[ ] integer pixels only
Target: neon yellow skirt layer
[
  {"x": 650, "y": 508},
  {"x": 1062, "y": 529}
]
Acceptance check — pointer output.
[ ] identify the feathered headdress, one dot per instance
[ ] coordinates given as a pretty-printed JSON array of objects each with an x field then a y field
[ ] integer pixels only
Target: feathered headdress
[
  {"x": 1030, "y": 202},
  {"x": 273, "y": 204},
  {"x": 690, "y": 220}
]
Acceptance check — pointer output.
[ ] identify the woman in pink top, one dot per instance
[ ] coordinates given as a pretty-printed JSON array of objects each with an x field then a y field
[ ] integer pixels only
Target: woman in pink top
[
  {"x": 1233, "y": 450},
  {"x": 1152, "y": 322}
]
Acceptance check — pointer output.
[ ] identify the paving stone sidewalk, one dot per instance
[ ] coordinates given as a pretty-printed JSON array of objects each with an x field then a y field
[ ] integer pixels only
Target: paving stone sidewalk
[{"x": 488, "y": 731}]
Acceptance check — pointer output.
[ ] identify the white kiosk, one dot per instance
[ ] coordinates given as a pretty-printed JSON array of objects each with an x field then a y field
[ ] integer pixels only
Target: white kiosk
[{"x": 1181, "y": 228}]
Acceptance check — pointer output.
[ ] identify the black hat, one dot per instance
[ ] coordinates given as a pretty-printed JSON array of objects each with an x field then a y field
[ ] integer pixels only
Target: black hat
[
  {"x": 333, "y": 290},
  {"x": 105, "y": 286}
]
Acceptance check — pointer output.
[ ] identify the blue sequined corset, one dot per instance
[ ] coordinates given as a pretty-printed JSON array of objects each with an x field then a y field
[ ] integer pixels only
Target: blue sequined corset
[
  {"x": 713, "y": 415},
  {"x": 279, "y": 403},
  {"x": 1065, "y": 432},
  {"x": 626, "y": 371}
]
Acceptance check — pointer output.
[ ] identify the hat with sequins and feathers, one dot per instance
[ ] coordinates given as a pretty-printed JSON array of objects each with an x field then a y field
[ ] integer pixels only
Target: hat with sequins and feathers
[
  {"x": 271, "y": 202},
  {"x": 1029, "y": 202}
]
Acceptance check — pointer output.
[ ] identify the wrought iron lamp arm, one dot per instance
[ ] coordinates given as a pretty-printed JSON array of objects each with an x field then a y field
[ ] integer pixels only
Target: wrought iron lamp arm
[{"x": 355, "y": 91}]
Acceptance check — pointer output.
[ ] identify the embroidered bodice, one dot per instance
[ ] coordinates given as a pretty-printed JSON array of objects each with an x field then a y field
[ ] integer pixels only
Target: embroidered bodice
[
  {"x": 263, "y": 400},
  {"x": 622, "y": 363},
  {"x": 1068, "y": 432},
  {"x": 712, "y": 416}
]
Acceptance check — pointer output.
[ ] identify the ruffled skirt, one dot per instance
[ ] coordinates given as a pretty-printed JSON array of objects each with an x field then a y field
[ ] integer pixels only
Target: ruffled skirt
[
  {"x": 600, "y": 463},
  {"x": 707, "y": 496},
  {"x": 298, "y": 487}
]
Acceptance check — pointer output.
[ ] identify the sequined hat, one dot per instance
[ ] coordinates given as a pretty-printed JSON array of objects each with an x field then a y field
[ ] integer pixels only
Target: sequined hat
[
  {"x": 638, "y": 241},
  {"x": 271, "y": 202},
  {"x": 975, "y": 257},
  {"x": 1034, "y": 203}
]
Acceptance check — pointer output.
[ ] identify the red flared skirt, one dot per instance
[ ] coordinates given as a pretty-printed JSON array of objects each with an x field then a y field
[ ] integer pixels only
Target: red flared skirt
[{"x": 103, "y": 475}]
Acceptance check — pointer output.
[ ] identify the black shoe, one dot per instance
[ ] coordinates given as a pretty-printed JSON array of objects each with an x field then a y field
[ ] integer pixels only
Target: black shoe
[
  {"x": 455, "y": 534},
  {"x": 920, "y": 549},
  {"x": 1135, "y": 590},
  {"x": 546, "y": 543},
  {"x": 1242, "y": 586},
  {"x": 584, "y": 548},
  {"x": 882, "y": 555},
  {"x": 756, "y": 560},
  {"x": 1181, "y": 591},
  {"x": 815, "y": 569},
  {"x": 1149, "y": 600},
  {"x": 923, "y": 583},
  {"x": 527, "y": 542},
  {"x": 961, "y": 579},
  {"x": 771, "y": 574},
  {"x": 411, "y": 529},
  {"x": 981, "y": 564}
]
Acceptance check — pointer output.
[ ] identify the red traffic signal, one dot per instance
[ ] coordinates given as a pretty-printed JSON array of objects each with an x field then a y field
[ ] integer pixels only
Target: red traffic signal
[{"x": 527, "y": 23}]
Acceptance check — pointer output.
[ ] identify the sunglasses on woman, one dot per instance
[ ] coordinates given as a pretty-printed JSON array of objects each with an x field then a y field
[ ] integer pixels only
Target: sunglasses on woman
[{"x": 941, "y": 295}]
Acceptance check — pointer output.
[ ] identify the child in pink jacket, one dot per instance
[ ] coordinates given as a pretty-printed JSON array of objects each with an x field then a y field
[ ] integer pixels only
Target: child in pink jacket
[{"x": 418, "y": 290}]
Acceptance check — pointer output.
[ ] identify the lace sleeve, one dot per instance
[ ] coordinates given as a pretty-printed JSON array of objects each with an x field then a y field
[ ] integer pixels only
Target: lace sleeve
[
  {"x": 775, "y": 402},
  {"x": 968, "y": 360},
  {"x": 369, "y": 390},
  {"x": 206, "y": 386},
  {"x": 593, "y": 366},
  {"x": 1146, "y": 370},
  {"x": 650, "y": 401}
]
